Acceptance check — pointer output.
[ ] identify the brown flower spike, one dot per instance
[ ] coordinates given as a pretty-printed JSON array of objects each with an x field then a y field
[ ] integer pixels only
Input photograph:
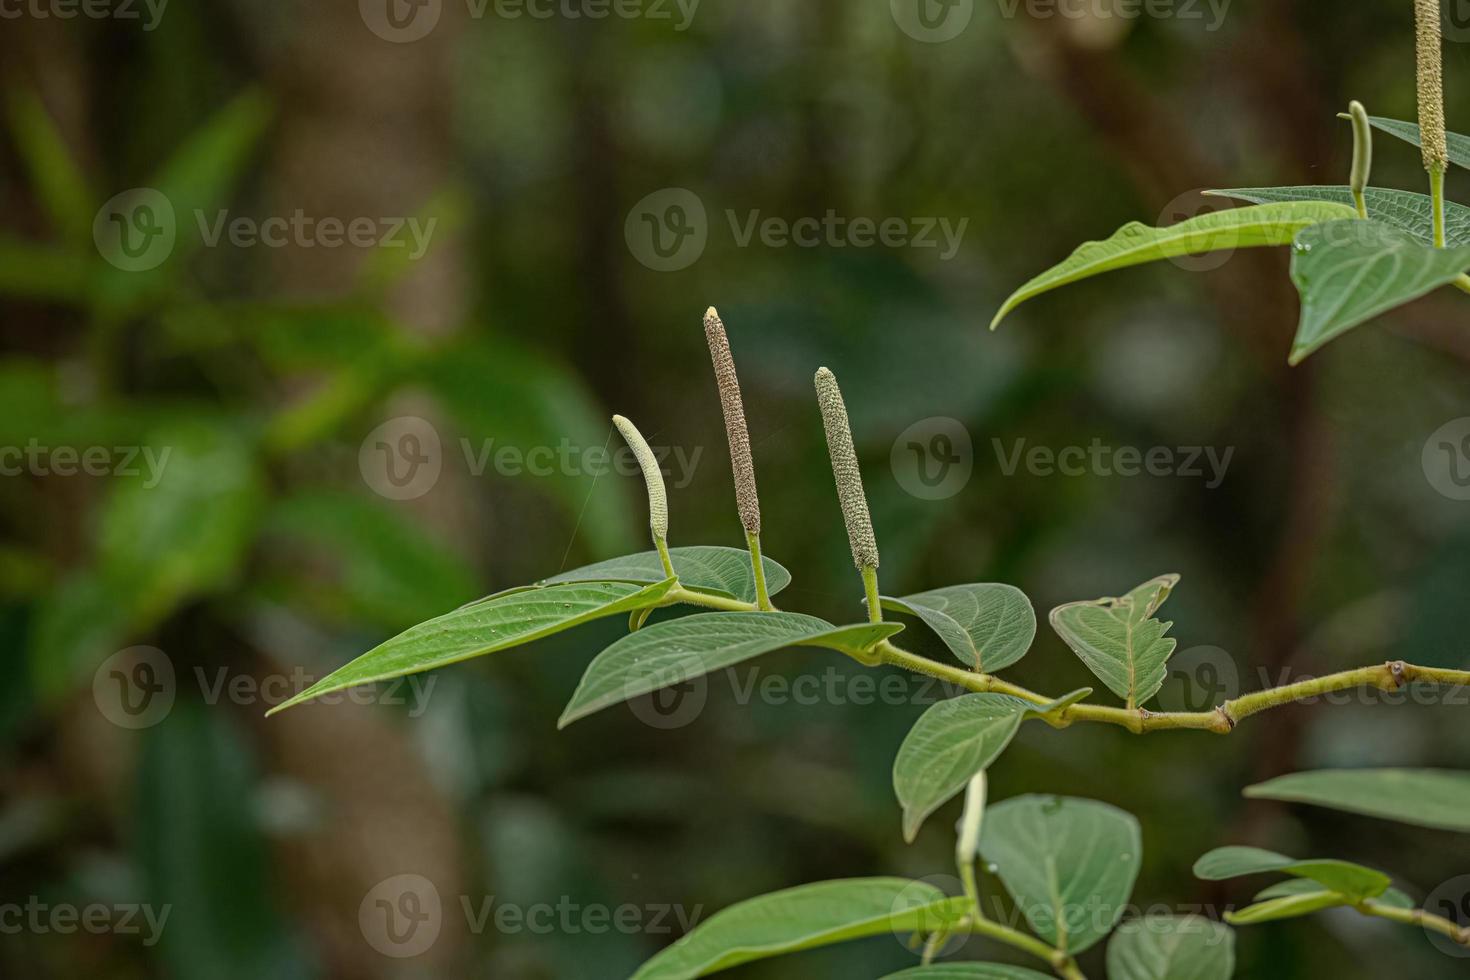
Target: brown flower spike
[
  {"x": 1432, "y": 139},
  {"x": 747, "y": 502},
  {"x": 845, "y": 469}
]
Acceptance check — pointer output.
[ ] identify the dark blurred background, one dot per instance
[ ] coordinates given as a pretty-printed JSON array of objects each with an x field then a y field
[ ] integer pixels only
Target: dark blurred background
[{"x": 241, "y": 451}]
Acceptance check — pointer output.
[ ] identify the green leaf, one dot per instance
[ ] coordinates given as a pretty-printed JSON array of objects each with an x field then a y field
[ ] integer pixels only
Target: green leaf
[
  {"x": 803, "y": 918},
  {"x": 495, "y": 624},
  {"x": 988, "y": 626},
  {"x": 60, "y": 186},
  {"x": 1459, "y": 146},
  {"x": 1166, "y": 947},
  {"x": 680, "y": 650},
  {"x": 1438, "y": 798},
  {"x": 1119, "y": 639},
  {"x": 1070, "y": 864},
  {"x": 202, "y": 172},
  {"x": 1134, "y": 243},
  {"x": 968, "y": 971},
  {"x": 951, "y": 742},
  {"x": 1351, "y": 271},
  {"x": 1352, "y": 880},
  {"x": 1288, "y": 907},
  {"x": 1402, "y": 209},
  {"x": 1392, "y": 897},
  {"x": 717, "y": 571}
]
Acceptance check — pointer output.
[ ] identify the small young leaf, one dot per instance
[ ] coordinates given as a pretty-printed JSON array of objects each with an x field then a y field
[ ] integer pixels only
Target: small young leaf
[
  {"x": 1352, "y": 880},
  {"x": 803, "y": 918},
  {"x": 1405, "y": 210},
  {"x": 1134, "y": 243},
  {"x": 988, "y": 626},
  {"x": 680, "y": 650},
  {"x": 950, "y": 743},
  {"x": 1393, "y": 898},
  {"x": 1351, "y": 271},
  {"x": 1409, "y": 132},
  {"x": 1289, "y": 907},
  {"x": 1119, "y": 640},
  {"x": 718, "y": 571},
  {"x": 1070, "y": 864},
  {"x": 494, "y": 624},
  {"x": 1165, "y": 947},
  {"x": 1438, "y": 798},
  {"x": 968, "y": 971}
]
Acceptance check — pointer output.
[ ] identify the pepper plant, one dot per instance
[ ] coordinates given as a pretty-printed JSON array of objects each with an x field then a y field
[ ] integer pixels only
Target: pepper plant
[{"x": 1069, "y": 864}]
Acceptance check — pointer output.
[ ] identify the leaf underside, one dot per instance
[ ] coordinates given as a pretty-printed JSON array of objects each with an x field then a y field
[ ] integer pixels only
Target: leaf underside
[
  {"x": 1437, "y": 798},
  {"x": 494, "y": 624},
  {"x": 1119, "y": 640},
  {"x": 1135, "y": 243},
  {"x": 987, "y": 625},
  {"x": 1346, "y": 878},
  {"x": 1459, "y": 146},
  {"x": 1163, "y": 947},
  {"x": 703, "y": 568},
  {"x": 1405, "y": 210},
  {"x": 968, "y": 971},
  {"x": 680, "y": 650}
]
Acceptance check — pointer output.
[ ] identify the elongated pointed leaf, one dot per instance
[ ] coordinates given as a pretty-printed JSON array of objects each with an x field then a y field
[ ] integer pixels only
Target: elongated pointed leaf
[
  {"x": 1288, "y": 907},
  {"x": 800, "y": 918},
  {"x": 680, "y": 650},
  {"x": 495, "y": 624},
  {"x": 987, "y": 625},
  {"x": 1135, "y": 244},
  {"x": 1403, "y": 209},
  {"x": 968, "y": 971},
  {"x": 953, "y": 741},
  {"x": 1070, "y": 864},
  {"x": 1348, "y": 272},
  {"x": 718, "y": 571},
  {"x": 1438, "y": 798},
  {"x": 1459, "y": 146},
  {"x": 1119, "y": 639},
  {"x": 1392, "y": 897},
  {"x": 1352, "y": 880},
  {"x": 1166, "y": 947}
]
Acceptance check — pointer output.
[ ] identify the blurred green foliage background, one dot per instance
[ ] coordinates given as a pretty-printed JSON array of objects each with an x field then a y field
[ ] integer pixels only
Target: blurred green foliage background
[{"x": 265, "y": 544}]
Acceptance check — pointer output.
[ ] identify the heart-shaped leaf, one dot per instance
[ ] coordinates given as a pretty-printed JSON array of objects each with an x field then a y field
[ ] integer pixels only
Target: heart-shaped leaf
[
  {"x": 1459, "y": 146},
  {"x": 1135, "y": 244},
  {"x": 968, "y": 971},
  {"x": 987, "y": 625},
  {"x": 1351, "y": 271},
  {"x": 494, "y": 624},
  {"x": 1406, "y": 210},
  {"x": 803, "y": 918},
  {"x": 1352, "y": 880},
  {"x": 951, "y": 742},
  {"x": 1070, "y": 864},
  {"x": 1287, "y": 907},
  {"x": 1119, "y": 639},
  {"x": 703, "y": 568},
  {"x": 1166, "y": 947},
  {"x": 680, "y": 650},
  {"x": 1438, "y": 798}
]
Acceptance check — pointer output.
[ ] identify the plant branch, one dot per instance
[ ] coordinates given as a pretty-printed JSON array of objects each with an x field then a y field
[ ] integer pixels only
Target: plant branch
[
  {"x": 1416, "y": 917},
  {"x": 1064, "y": 965}
]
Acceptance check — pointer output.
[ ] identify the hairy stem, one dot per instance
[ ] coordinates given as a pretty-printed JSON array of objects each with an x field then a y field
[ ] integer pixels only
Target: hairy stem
[
  {"x": 1063, "y": 964},
  {"x": 758, "y": 569},
  {"x": 870, "y": 589},
  {"x": 1416, "y": 917}
]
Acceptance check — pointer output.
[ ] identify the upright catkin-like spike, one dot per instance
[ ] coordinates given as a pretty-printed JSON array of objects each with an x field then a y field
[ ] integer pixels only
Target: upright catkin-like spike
[
  {"x": 742, "y": 466},
  {"x": 845, "y": 469},
  {"x": 1362, "y": 155},
  {"x": 967, "y": 846},
  {"x": 1430, "y": 75},
  {"x": 653, "y": 478}
]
